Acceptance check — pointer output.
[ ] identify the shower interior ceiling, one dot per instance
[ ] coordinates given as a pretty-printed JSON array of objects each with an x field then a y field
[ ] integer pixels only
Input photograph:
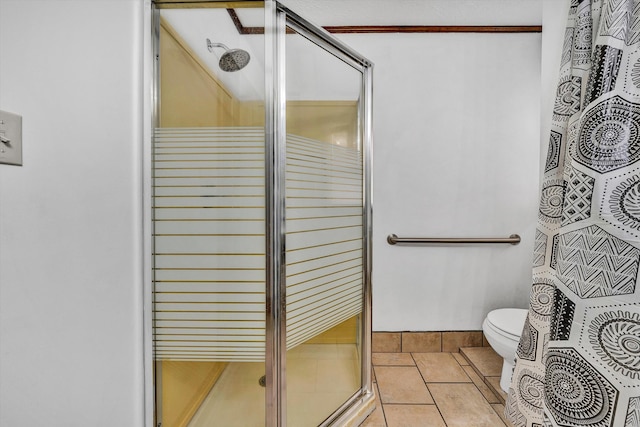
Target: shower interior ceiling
[{"x": 195, "y": 25}]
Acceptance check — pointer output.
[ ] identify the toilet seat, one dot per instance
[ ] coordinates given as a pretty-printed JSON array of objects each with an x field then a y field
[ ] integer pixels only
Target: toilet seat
[{"x": 508, "y": 321}]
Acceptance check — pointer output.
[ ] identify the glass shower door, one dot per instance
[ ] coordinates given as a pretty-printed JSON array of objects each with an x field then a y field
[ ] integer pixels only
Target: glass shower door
[
  {"x": 209, "y": 221},
  {"x": 325, "y": 229},
  {"x": 261, "y": 210}
]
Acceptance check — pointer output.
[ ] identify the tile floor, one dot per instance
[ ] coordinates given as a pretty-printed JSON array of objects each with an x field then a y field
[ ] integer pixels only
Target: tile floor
[{"x": 439, "y": 389}]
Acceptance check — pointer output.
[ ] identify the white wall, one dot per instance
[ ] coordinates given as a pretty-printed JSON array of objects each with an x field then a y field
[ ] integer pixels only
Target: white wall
[
  {"x": 461, "y": 126},
  {"x": 70, "y": 228},
  {"x": 456, "y": 137}
]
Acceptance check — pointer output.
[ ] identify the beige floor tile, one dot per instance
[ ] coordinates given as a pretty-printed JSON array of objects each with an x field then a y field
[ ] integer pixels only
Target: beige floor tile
[
  {"x": 499, "y": 408},
  {"x": 376, "y": 418},
  {"x": 440, "y": 367},
  {"x": 392, "y": 359},
  {"x": 460, "y": 359},
  {"x": 386, "y": 342},
  {"x": 413, "y": 416},
  {"x": 494, "y": 385},
  {"x": 401, "y": 384},
  {"x": 479, "y": 382},
  {"x": 421, "y": 342},
  {"x": 485, "y": 360},
  {"x": 452, "y": 341},
  {"x": 462, "y": 405}
]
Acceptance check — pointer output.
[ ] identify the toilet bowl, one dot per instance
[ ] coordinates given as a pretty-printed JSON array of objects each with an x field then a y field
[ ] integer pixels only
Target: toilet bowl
[{"x": 502, "y": 328}]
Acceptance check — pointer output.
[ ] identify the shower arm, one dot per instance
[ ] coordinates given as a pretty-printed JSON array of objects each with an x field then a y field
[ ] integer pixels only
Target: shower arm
[{"x": 211, "y": 45}]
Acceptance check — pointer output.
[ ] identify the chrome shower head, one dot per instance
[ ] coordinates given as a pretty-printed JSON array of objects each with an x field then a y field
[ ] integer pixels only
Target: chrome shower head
[{"x": 231, "y": 59}]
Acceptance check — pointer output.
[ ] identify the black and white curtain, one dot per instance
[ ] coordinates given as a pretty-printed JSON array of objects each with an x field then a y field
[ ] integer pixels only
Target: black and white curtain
[{"x": 578, "y": 361}]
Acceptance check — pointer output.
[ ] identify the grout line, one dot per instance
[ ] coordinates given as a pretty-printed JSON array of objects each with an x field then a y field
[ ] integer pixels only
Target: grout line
[
  {"x": 384, "y": 415},
  {"x": 434, "y": 400},
  {"x": 490, "y": 389},
  {"x": 502, "y": 417},
  {"x": 477, "y": 370},
  {"x": 495, "y": 391},
  {"x": 465, "y": 356},
  {"x": 425, "y": 382},
  {"x": 485, "y": 380}
]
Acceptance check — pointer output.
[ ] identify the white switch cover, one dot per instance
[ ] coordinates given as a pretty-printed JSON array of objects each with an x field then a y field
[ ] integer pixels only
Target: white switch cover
[{"x": 10, "y": 138}]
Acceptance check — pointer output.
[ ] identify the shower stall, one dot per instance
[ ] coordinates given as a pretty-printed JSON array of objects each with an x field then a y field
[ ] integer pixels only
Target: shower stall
[{"x": 261, "y": 213}]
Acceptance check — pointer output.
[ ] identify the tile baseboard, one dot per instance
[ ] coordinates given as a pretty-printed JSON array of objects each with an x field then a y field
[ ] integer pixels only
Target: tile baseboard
[{"x": 426, "y": 341}]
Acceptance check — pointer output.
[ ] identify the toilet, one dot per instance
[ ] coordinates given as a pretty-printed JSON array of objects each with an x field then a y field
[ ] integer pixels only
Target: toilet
[{"x": 503, "y": 328}]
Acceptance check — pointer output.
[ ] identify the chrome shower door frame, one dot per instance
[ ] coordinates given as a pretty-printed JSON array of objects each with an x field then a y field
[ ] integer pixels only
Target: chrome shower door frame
[{"x": 277, "y": 19}]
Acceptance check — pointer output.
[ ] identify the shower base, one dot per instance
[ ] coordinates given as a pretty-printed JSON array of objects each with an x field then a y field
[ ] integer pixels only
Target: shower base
[{"x": 320, "y": 377}]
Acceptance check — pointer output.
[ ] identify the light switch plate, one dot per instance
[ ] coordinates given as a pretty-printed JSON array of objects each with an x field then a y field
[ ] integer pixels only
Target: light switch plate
[{"x": 10, "y": 138}]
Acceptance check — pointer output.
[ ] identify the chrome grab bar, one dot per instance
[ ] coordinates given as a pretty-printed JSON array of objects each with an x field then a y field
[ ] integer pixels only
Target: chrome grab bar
[{"x": 392, "y": 239}]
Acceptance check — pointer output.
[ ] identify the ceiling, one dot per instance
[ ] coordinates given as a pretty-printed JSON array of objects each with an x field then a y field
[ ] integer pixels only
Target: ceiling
[{"x": 314, "y": 74}]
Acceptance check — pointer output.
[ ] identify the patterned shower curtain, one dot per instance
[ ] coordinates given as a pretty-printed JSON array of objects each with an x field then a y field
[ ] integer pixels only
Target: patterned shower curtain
[{"x": 578, "y": 361}]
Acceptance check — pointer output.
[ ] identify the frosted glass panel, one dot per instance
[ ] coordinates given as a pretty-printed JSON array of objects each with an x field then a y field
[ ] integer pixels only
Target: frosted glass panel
[
  {"x": 209, "y": 241},
  {"x": 209, "y": 244},
  {"x": 324, "y": 231},
  {"x": 324, "y": 237}
]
